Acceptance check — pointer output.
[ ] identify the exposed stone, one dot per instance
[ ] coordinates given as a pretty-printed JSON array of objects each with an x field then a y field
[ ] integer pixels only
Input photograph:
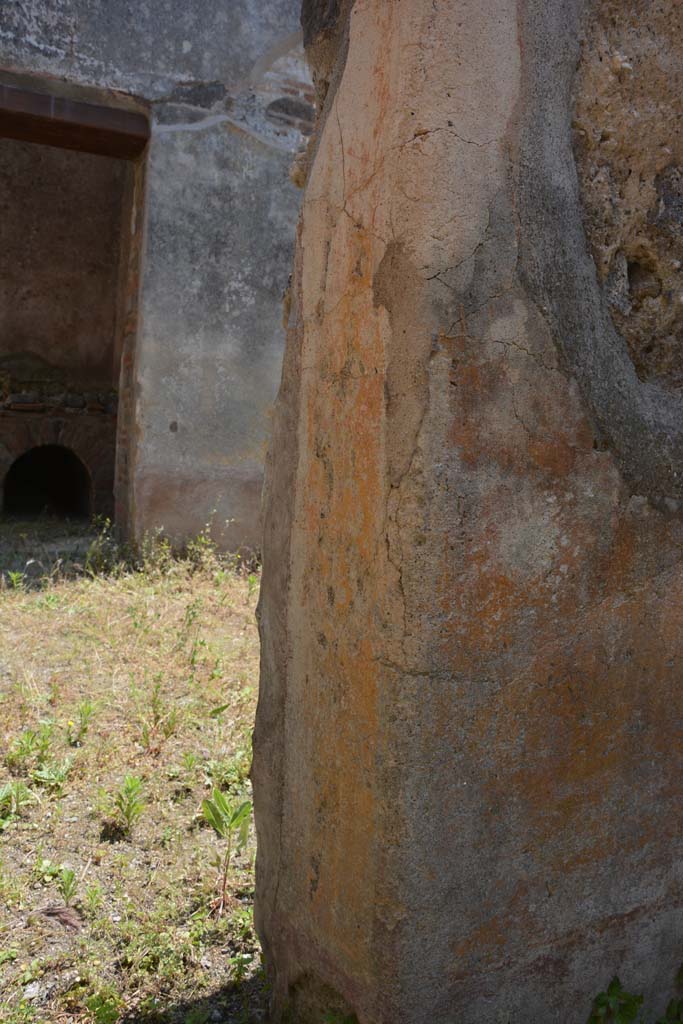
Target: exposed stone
[
  {"x": 467, "y": 767},
  {"x": 319, "y": 17},
  {"x": 324, "y": 25},
  {"x": 629, "y": 136}
]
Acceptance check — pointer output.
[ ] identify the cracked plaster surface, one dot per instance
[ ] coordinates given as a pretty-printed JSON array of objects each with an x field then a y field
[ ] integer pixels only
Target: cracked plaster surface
[{"x": 462, "y": 596}]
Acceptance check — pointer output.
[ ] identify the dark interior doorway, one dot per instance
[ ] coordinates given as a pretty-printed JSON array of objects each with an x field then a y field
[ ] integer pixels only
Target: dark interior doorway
[
  {"x": 71, "y": 194},
  {"x": 48, "y": 480}
]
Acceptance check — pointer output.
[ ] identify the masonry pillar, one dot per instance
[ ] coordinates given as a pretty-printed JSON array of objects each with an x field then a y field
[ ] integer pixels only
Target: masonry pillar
[{"x": 467, "y": 754}]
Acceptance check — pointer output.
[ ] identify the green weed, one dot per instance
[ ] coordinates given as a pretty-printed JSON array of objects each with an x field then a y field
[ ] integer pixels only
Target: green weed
[
  {"x": 160, "y": 723},
  {"x": 230, "y": 822},
  {"x": 231, "y": 773},
  {"x": 31, "y": 746},
  {"x": 45, "y": 871},
  {"x": 77, "y": 731},
  {"x": 105, "y": 1005},
  {"x": 94, "y": 898},
  {"x": 16, "y": 579},
  {"x": 14, "y": 797},
  {"x": 128, "y": 802},
  {"x": 53, "y": 775},
  {"x": 67, "y": 884}
]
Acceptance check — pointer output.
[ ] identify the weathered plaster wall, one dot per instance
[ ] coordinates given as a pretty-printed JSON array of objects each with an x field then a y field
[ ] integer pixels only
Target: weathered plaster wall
[
  {"x": 60, "y": 226},
  {"x": 228, "y": 97},
  {"x": 210, "y": 363},
  {"x": 467, "y": 759}
]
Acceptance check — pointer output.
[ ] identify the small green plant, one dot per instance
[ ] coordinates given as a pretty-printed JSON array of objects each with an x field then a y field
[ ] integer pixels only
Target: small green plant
[
  {"x": 16, "y": 579},
  {"x": 105, "y": 1005},
  {"x": 22, "y": 749},
  {"x": 23, "y": 1013},
  {"x": 252, "y": 584},
  {"x": 77, "y": 731},
  {"x": 31, "y": 972},
  {"x": 129, "y": 802},
  {"x": 146, "y": 738},
  {"x": 43, "y": 740},
  {"x": 45, "y": 871},
  {"x": 230, "y": 822},
  {"x": 190, "y": 761},
  {"x": 67, "y": 884},
  {"x": 332, "y": 1017},
  {"x": 104, "y": 554},
  {"x": 14, "y": 796},
  {"x": 8, "y": 956},
  {"x": 230, "y": 773},
  {"x": 201, "y": 552},
  {"x": 240, "y": 964},
  {"x": 94, "y": 898},
  {"x": 54, "y": 775},
  {"x": 169, "y": 723},
  {"x": 616, "y": 1005},
  {"x": 156, "y": 553},
  {"x": 160, "y": 721},
  {"x": 32, "y": 745}
]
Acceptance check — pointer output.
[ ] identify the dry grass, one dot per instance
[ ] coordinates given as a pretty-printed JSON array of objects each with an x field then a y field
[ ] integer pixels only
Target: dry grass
[{"x": 157, "y": 668}]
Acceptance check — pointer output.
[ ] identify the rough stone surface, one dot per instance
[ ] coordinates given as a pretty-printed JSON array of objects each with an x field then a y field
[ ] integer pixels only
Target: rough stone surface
[
  {"x": 629, "y": 129},
  {"x": 210, "y": 254},
  {"x": 467, "y": 755}
]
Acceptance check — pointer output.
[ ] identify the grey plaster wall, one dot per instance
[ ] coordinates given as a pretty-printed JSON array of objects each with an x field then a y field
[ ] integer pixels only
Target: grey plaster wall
[
  {"x": 145, "y": 48},
  {"x": 220, "y": 220}
]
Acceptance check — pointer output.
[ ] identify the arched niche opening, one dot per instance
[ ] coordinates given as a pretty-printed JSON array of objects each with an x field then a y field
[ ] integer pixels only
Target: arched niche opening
[{"x": 48, "y": 480}]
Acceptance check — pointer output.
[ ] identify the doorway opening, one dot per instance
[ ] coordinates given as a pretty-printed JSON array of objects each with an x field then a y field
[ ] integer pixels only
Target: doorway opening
[
  {"x": 71, "y": 187},
  {"x": 48, "y": 480}
]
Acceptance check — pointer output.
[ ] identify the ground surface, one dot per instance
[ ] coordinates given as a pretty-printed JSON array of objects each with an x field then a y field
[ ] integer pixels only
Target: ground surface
[{"x": 107, "y": 673}]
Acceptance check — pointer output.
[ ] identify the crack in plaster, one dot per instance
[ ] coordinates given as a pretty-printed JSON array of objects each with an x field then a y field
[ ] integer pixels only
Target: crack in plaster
[{"x": 425, "y": 132}]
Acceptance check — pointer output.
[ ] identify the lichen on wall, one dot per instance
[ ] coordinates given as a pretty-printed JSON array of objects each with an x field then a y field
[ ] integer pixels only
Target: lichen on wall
[{"x": 629, "y": 147}]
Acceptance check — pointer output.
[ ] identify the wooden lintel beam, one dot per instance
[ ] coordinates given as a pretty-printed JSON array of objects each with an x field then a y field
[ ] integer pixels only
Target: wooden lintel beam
[{"x": 71, "y": 124}]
